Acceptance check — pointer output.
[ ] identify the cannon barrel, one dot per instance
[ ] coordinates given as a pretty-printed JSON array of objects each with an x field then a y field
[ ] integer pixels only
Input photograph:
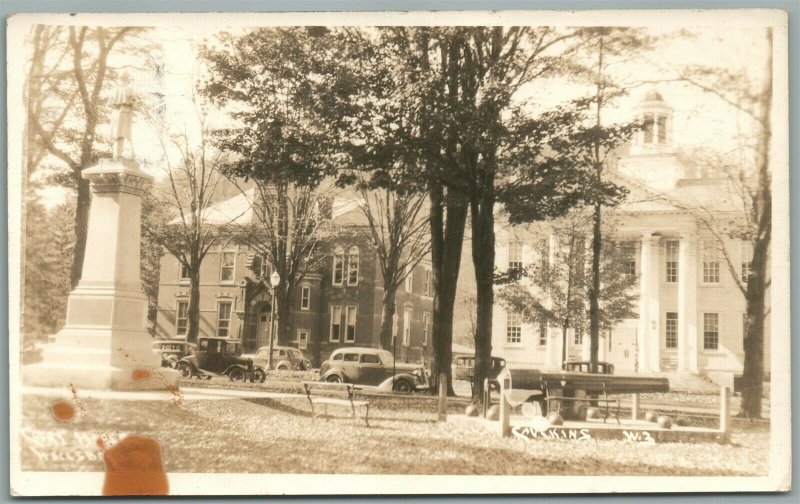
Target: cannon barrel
[{"x": 531, "y": 379}]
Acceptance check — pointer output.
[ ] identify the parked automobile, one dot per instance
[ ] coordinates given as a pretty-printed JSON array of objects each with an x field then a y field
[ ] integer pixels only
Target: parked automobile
[
  {"x": 220, "y": 357},
  {"x": 172, "y": 351},
  {"x": 464, "y": 366},
  {"x": 283, "y": 358},
  {"x": 374, "y": 367},
  {"x": 583, "y": 367}
]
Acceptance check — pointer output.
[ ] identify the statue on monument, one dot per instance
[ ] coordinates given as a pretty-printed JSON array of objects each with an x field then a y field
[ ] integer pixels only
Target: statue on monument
[{"x": 122, "y": 116}]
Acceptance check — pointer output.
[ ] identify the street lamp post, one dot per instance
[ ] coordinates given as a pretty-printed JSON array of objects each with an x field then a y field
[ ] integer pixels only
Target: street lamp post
[{"x": 274, "y": 280}]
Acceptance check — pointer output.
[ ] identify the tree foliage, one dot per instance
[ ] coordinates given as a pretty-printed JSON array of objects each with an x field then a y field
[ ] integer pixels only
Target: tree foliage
[
  {"x": 68, "y": 75},
  {"x": 556, "y": 290}
]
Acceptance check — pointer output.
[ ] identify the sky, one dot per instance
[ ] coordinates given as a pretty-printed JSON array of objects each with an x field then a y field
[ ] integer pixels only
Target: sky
[{"x": 700, "y": 119}]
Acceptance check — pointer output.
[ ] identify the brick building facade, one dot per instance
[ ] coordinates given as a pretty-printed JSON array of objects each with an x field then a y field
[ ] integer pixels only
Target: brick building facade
[{"x": 338, "y": 306}]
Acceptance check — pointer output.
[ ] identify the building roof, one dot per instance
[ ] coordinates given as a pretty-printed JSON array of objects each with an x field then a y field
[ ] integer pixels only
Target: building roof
[
  {"x": 652, "y": 96},
  {"x": 239, "y": 210},
  {"x": 714, "y": 194},
  {"x": 236, "y": 210}
]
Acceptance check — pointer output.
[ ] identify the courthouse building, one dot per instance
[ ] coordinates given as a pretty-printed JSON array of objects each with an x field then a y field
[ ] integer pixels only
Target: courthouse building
[
  {"x": 690, "y": 311},
  {"x": 337, "y": 306}
]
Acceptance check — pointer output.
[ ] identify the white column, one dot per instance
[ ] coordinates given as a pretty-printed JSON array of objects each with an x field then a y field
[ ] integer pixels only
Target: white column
[
  {"x": 687, "y": 304},
  {"x": 648, "y": 333},
  {"x": 553, "y": 357},
  {"x": 554, "y": 339}
]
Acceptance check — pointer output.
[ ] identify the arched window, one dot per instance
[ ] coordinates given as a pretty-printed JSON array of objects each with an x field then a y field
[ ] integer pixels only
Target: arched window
[
  {"x": 338, "y": 266},
  {"x": 352, "y": 266}
]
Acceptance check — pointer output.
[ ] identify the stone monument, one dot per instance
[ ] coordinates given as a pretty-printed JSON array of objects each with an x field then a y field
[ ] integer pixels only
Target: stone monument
[{"x": 104, "y": 344}]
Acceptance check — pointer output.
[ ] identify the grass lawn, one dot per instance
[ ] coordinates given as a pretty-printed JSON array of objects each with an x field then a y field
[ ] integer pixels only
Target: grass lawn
[{"x": 280, "y": 436}]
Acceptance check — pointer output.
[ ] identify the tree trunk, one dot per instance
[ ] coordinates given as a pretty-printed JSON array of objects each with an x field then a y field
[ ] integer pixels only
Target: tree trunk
[
  {"x": 753, "y": 373},
  {"x": 564, "y": 329},
  {"x": 283, "y": 313},
  {"x": 594, "y": 292},
  {"x": 483, "y": 260},
  {"x": 193, "y": 312},
  {"x": 84, "y": 201},
  {"x": 446, "y": 244},
  {"x": 387, "y": 317}
]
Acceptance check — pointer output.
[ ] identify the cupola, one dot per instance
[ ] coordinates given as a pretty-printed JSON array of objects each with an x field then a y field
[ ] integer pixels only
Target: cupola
[{"x": 656, "y": 114}]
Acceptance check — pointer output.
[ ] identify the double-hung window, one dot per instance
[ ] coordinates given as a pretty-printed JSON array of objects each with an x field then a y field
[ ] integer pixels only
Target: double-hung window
[
  {"x": 514, "y": 255},
  {"x": 336, "y": 324},
  {"x": 710, "y": 263},
  {"x": 338, "y": 267},
  {"x": 352, "y": 266},
  {"x": 513, "y": 328},
  {"x": 409, "y": 278},
  {"x": 184, "y": 272},
  {"x": 672, "y": 330},
  {"x": 711, "y": 331},
  {"x": 227, "y": 263},
  {"x": 350, "y": 335},
  {"x": 672, "y": 247},
  {"x": 407, "y": 327},
  {"x": 747, "y": 261},
  {"x": 182, "y": 318},
  {"x": 224, "y": 319}
]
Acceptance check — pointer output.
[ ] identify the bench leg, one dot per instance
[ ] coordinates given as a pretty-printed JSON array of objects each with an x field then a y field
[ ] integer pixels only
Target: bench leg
[
  {"x": 366, "y": 415},
  {"x": 353, "y": 409}
]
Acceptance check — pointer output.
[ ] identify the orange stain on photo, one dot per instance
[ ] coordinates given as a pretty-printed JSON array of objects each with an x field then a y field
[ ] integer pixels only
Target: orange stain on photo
[
  {"x": 134, "y": 467},
  {"x": 141, "y": 374},
  {"x": 62, "y": 411}
]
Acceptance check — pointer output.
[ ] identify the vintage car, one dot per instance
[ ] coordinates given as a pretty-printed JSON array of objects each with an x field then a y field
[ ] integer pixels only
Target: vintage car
[
  {"x": 283, "y": 358},
  {"x": 464, "y": 365},
  {"x": 373, "y": 367},
  {"x": 220, "y": 357},
  {"x": 172, "y": 351}
]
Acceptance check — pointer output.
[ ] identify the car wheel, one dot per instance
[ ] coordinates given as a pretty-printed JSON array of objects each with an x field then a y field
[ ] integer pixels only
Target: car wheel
[
  {"x": 259, "y": 376},
  {"x": 236, "y": 375},
  {"x": 403, "y": 387},
  {"x": 282, "y": 367},
  {"x": 185, "y": 369},
  {"x": 334, "y": 379},
  {"x": 206, "y": 377}
]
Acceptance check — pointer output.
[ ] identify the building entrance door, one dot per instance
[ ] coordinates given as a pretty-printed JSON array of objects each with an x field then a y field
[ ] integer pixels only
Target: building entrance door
[
  {"x": 263, "y": 326},
  {"x": 623, "y": 348}
]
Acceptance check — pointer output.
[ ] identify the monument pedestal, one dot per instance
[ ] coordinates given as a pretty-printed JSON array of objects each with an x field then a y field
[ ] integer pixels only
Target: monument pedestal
[{"x": 105, "y": 344}]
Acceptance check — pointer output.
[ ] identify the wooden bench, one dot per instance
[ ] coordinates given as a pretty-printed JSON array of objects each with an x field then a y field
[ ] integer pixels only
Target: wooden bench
[{"x": 347, "y": 390}]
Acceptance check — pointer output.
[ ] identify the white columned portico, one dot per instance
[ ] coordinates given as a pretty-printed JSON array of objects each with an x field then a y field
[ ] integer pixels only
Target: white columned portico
[
  {"x": 687, "y": 304},
  {"x": 648, "y": 333}
]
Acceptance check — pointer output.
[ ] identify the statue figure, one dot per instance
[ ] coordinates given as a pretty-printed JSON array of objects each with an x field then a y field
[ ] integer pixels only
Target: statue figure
[{"x": 122, "y": 116}]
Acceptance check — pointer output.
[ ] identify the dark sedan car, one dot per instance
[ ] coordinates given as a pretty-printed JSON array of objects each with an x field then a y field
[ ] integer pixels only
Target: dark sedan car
[{"x": 220, "y": 357}]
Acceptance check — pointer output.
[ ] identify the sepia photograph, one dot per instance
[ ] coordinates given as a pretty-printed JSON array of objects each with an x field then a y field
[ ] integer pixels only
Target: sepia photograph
[{"x": 399, "y": 252}]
